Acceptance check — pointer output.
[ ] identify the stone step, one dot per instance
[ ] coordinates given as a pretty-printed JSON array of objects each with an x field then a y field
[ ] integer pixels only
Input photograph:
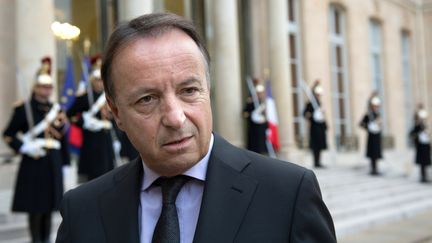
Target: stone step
[
  {"x": 369, "y": 220},
  {"x": 15, "y": 229},
  {"x": 380, "y": 203},
  {"x": 358, "y": 201},
  {"x": 375, "y": 191},
  {"x": 372, "y": 185},
  {"x": 364, "y": 197}
]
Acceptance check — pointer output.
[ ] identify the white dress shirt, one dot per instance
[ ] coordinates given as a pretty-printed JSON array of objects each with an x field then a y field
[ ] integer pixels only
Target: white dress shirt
[{"x": 188, "y": 201}]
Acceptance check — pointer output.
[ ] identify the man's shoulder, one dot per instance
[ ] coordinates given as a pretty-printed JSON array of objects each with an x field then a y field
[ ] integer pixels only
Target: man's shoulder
[
  {"x": 93, "y": 188},
  {"x": 278, "y": 168},
  {"x": 259, "y": 165}
]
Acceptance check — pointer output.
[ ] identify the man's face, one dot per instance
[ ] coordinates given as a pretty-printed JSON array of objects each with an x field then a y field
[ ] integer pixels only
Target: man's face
[
  {"x": 43, "y": 91},
  {"x": 97, "y": 85},
  {"x": 375, "y": 108},
  {"x": 163, "y": 101},
  {"x": 261, "y": 95}
]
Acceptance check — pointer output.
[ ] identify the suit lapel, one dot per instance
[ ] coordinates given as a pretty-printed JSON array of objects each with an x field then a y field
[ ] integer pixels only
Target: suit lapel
[
  {"x": 227, "y": 194},
  {"x": 119, "y": 205}
]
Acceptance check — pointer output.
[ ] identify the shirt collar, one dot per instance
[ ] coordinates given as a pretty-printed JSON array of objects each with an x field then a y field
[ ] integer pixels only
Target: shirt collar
[{"x": 198, "y": 171}]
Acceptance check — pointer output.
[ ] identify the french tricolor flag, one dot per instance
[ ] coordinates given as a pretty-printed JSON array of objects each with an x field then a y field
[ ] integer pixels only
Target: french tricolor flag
[{"x": 272, "y": 118}]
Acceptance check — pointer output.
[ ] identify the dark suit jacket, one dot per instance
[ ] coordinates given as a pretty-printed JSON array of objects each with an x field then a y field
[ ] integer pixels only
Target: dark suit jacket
[{"x": 247, "y": 198}]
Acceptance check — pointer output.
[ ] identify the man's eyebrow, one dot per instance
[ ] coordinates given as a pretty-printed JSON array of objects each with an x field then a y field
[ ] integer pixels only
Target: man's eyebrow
[
  {"x": 189, "y": 81},
  {"x": 142, "y": 90}
]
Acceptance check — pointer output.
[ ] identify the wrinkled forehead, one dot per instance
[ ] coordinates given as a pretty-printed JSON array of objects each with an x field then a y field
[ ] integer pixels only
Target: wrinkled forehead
[
  {"x": 165, "y": 45},
  {"x": 174, "y": 47}
]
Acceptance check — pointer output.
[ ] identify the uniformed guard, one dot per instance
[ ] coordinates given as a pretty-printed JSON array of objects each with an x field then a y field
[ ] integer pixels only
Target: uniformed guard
[
  {"x": 127, "y": 150},
  {"x": 36, "y": 131},
  {"x": 421, "y": 137},
  {"x": 372, "y": 123},
  {"x": 254, "y": 112},
  {"x": 90, "y": 112},
  {"x": 314, "y": 112}
]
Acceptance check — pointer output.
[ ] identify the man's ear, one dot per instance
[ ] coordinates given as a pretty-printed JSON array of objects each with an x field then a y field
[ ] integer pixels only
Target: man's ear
[{"x": 114, "y": 111}]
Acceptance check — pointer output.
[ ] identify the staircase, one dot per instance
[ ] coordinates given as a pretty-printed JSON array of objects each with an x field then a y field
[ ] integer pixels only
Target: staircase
[{"x": 358, "y": 201}]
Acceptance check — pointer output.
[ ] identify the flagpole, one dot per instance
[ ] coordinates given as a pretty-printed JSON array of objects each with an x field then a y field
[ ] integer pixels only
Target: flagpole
[
  {"x": 86, "y": 77},
  {"x": 269, "y": 145},
  {"x": 85, "y": 69}
]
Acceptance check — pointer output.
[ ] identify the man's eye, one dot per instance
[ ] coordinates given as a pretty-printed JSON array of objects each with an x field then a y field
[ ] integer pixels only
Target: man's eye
[
  {"x": 190, "y": 90},
  {"x": 146, "y": 99}
]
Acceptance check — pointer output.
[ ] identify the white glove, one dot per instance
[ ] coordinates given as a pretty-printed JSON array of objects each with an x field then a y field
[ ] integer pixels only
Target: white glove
[
  {"x": 93, "y": 124},
  {"x": 318, "y": 116},
  {"x": 67, "y": 170},
  {"x": 47, "y": 143},
  {"x": 32, "y": 149},
  {"x": 257, "y": 115},
  {"x": 374, "y": 127},
  {"x": 424, "y": 137},
  {"x": 116, "y": 146}
]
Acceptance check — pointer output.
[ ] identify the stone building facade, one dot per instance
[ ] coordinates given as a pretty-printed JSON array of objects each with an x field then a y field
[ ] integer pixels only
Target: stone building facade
[{"x": 353, "y": 47}]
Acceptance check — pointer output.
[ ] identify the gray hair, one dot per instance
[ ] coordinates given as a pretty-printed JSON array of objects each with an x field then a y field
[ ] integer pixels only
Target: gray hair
[{"x": 149, "y": 25}]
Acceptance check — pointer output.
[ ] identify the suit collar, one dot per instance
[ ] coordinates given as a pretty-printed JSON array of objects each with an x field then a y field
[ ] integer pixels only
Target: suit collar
[
  {"x": 227, "y": 194},
  {"x": 119, "y": 205}
]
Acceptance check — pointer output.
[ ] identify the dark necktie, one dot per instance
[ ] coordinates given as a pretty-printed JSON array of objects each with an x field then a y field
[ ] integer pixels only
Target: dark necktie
[{"x": 167, "y": 229}]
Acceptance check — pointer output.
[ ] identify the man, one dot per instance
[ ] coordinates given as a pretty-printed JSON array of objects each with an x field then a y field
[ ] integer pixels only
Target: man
[
  {"x": 36, "y": 132},
  {"x": 157, "y": 83},
  {"x": 257, "y": 121},
  {"x": 421, "y": 138},
  {"x": 318, "y": 126},
  {"x": 91, "y": 112},
  {"x": 371, "y": 122}
]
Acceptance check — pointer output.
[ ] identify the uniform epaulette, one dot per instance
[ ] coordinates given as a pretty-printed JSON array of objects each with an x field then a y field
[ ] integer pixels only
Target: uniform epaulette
[
  {"x": 79, "y": 94},
  {"x": 18, "y": 103}
]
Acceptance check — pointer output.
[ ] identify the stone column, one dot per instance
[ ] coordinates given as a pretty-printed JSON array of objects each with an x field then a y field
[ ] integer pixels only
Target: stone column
[
  {"x": 129, "y": 9},
  {"x": 280, "y": 74},
  {"x": 34, "y": 40},
  {"x": 259, "y": 35},
  {"x": 7, "y": 66},
  {"x": 226, "y": 69}
]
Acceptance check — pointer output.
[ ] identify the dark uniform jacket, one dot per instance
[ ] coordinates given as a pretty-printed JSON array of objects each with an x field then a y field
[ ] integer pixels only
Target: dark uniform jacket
[
  {"x": 96, "y": 154},
  {"x": 373, "y": 149},
  {"x": 256, "y": 133},
  {"x": 247, "y": 198},
  {"x": 317, "y": 132},
  {"x": 127, "y": 151},
  {"x": 39, "y": 183},
  {"x": 423, "y": 150}
]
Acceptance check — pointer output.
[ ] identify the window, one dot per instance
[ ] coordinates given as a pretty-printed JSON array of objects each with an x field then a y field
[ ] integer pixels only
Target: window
[
  {"x": 376, "y": 65},
  {"x": 296, "y": 71},
  {"x": 339, "y": 79},
  {"x": 406, "y": 76}
]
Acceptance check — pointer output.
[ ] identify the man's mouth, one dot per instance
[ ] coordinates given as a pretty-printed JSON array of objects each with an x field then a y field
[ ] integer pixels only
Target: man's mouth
[{"x": 177, "y": 144}]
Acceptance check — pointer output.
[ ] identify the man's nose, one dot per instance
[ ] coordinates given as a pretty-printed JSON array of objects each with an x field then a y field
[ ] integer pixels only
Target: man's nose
[{"x": 174, "y": 115}]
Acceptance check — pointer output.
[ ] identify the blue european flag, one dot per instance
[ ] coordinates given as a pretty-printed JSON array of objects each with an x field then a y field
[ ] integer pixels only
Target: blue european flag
[{"x": 68, "y": 92}]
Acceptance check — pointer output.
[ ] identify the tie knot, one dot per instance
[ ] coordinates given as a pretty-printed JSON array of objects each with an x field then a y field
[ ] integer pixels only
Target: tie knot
[{"x": 171, "y": 187}]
